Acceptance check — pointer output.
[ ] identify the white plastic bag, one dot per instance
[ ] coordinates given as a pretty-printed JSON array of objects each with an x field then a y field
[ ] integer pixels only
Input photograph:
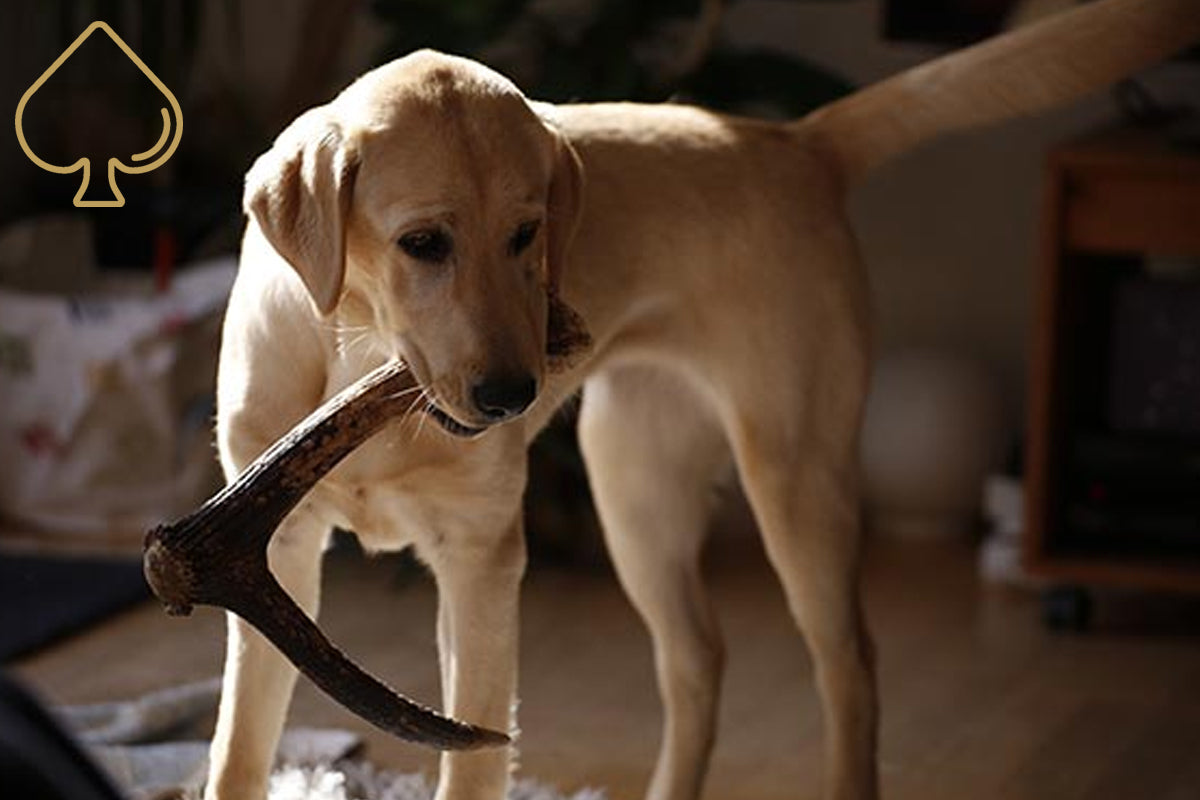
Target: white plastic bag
[{"x": 105, "y": 404}]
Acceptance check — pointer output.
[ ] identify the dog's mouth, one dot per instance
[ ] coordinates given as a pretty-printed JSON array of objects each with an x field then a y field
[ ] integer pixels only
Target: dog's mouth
[
  {"x": 451, "y": 425},
  {"x": 431, "y": 408}
]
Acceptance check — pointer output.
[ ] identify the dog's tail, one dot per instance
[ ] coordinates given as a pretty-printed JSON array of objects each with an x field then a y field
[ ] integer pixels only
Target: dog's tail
[{"x": 1017, "y": 73}]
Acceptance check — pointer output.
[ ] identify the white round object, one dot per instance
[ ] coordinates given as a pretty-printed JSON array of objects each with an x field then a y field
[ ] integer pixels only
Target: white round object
[{"x": 933, "y": 431}]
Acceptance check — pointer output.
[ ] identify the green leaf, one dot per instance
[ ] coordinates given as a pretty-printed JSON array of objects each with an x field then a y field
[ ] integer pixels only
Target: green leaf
[{"x": 735, "y": 80}]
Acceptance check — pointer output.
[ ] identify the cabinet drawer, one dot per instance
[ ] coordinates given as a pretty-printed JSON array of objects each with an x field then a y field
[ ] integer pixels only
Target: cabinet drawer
[{"x": 1158, "y": 214}]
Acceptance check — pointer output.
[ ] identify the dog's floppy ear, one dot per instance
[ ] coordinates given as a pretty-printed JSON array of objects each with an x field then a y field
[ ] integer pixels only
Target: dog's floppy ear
[
  {"x": 299, "y": 193},
  {"x": 567, "y": 337}
]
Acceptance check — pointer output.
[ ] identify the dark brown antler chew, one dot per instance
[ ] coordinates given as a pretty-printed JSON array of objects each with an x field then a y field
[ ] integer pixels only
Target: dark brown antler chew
[{"x": 218, "y": 556}]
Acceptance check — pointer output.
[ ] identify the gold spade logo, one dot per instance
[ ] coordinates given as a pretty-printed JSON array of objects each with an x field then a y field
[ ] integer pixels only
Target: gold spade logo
[{"x": 162, "y": 148}]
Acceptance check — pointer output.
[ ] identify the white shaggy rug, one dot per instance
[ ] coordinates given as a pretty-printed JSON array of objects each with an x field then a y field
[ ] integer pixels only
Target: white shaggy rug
[
  {"x": 356, "y": 780},
  {"x": 137, "y": 743}
]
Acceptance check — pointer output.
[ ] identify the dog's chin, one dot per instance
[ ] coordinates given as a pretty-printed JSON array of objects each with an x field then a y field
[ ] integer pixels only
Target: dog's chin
[{"x": 453, "y": 426}]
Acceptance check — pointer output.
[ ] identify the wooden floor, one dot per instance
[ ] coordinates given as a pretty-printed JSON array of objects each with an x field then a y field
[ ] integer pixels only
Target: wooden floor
[{"x": 979, "y": 702}]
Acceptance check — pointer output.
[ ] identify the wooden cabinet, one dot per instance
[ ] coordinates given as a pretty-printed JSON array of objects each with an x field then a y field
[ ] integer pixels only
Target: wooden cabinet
[{"x": 1114, "y": 202}]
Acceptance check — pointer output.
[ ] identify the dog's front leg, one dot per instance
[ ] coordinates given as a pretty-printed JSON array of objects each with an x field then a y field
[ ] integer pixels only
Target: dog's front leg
[
  {"x": 478, "y": 579},
  {"x": 258, "y": 681}
]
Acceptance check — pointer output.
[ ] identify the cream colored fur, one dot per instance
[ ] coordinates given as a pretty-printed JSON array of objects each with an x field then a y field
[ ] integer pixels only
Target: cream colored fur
[{"x": 712, "y": 261}]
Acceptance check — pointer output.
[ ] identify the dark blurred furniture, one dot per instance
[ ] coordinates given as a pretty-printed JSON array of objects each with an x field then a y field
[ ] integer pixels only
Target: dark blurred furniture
[
  {"x": 38, "y": 759},
  {"x": 1113, "y": 449},
  {"x": 46, "y": 597}
]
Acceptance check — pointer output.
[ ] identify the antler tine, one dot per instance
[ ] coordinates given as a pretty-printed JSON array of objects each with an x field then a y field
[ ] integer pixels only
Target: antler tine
[{"x": 218, "y": 556}]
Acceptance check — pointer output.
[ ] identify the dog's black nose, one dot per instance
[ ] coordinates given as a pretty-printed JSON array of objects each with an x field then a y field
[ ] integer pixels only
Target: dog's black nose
[{"x": 502, "y": 396}]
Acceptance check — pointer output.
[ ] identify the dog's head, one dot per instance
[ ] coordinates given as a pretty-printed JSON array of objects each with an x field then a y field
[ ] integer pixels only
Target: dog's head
[{"x": 430, "y": 203}]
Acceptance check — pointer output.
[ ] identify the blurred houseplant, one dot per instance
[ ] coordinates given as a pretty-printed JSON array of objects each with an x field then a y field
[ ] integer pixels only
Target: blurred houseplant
[
  {"x": 592, "y": 50},
  {"x": 201, "y": 50},
  {"x": 98, "y": 104}
]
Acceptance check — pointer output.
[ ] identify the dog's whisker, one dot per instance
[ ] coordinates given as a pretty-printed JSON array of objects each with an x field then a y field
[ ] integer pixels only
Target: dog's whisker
[
  {"x": 403, "y": 420},
  {"x": 426, "y": 412},
  {"x": 405, "y": 393},
  {"x": 335, "y": 326},
  {"x": 417, "y": 389},
  {"x": 343, "y": 332},
  {"x": 348, "y": 338},
  {"x": 346, "y": 346},
  {"x": 424, "y": 415}
]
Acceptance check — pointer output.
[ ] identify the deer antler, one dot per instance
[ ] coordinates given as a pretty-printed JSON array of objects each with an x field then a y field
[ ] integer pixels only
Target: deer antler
[{"x": 218, "y": 556}]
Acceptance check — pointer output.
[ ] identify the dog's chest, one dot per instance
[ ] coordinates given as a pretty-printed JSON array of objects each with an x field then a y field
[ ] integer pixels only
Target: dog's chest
[
  {"x": 383, "y": 516},
  {"x": 407, "y": 487},
  {"x": 412, "y": 482}
]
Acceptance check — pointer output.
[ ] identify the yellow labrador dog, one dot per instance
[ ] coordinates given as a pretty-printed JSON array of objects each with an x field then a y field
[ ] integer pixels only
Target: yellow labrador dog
[{"x": 433, "y": 214}]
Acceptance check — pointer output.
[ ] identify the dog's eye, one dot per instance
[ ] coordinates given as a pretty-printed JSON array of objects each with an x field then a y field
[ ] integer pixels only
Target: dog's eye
[
  {"x": 432, "y": 246},
  {"x": 525, "y": 234}
]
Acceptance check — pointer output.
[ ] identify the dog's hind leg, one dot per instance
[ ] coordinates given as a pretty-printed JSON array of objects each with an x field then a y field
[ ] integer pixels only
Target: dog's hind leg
[
  {"x": 258, "y": 680},
  {"x": 653, "y": 453},
  {"x": 796, "y": 455}
]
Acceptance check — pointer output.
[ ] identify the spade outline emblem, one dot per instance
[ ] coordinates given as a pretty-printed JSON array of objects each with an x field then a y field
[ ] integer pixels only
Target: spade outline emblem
[{"x": 114, "y": 163}]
